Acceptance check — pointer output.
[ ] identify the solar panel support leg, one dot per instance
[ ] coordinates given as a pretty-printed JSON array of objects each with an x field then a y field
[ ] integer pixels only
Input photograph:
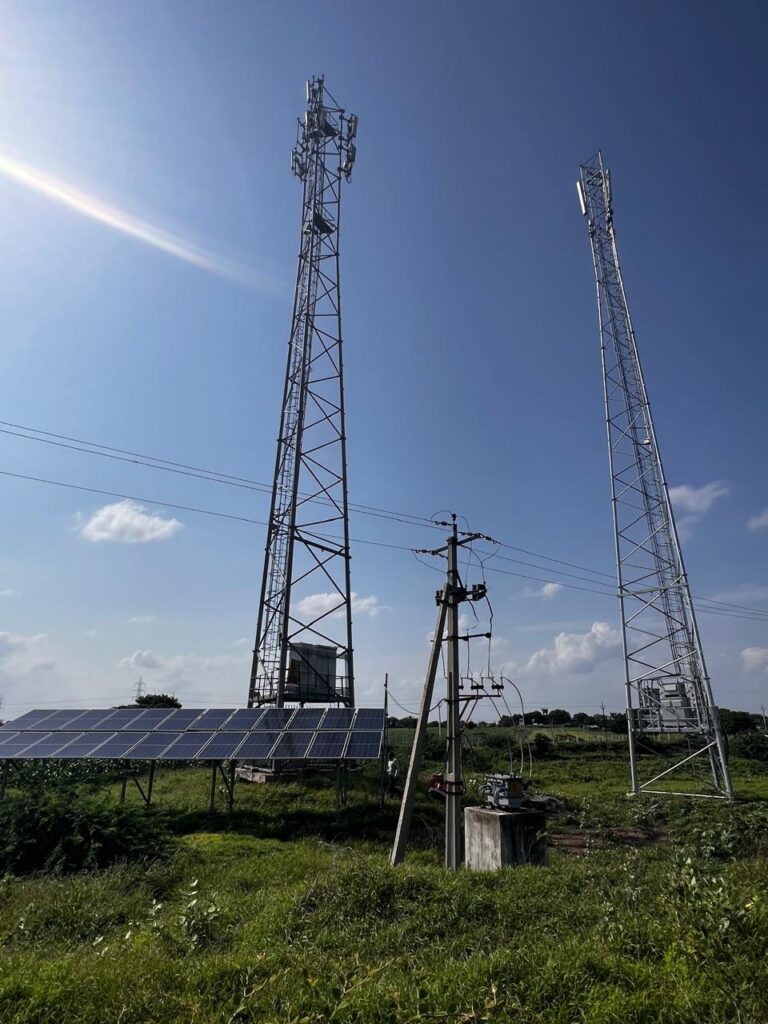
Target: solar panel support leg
[
  {"x": 4, "y": 778},
  {"x": 123, "y": 786},
  {"x": 214, "y": 769},
  {"x": 150, "y": 783},
  {"x": 230, "y": 783}
]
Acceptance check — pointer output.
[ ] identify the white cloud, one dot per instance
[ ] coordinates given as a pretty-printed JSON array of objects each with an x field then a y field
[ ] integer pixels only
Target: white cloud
[
  {"x": 754, "y": 658},
  {"x": 315, "y": 605},
  {"x": 549, "y": 590},
  {"x": 141, "y": 620},
  {"x": 685, "y": 525},
  {"x": 127, "y": 522},
  {"x": 10, "y": 643},
  {"x": 10, "y": 592},
  {"x": 575, "y": 652},
  {"x": 240, "y": 642},
  {"x": 759, "y": 522},
  {"x": 697, "y": 500},
  {"x": 141, "y": 659}
]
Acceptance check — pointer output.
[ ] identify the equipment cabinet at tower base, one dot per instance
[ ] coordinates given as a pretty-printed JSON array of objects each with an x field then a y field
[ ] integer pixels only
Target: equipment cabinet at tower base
[{"x": 503, "y": 839}]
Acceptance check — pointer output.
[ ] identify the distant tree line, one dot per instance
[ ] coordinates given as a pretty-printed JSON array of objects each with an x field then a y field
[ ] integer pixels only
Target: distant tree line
[{"x": 733, "y": 722}]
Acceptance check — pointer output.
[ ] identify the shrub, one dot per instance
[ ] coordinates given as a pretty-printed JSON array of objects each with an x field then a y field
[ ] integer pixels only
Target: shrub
[{"x": 51, "y": 832}]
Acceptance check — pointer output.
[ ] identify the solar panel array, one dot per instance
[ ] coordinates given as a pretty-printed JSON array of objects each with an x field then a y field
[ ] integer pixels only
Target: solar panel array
[{"x": 190, "y": 734}]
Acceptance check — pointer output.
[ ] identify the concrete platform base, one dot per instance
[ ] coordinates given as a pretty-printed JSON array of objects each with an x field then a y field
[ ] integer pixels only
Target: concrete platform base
[
  {"x": 501, "y": 839},
  {"x": 256, "y": 775}
]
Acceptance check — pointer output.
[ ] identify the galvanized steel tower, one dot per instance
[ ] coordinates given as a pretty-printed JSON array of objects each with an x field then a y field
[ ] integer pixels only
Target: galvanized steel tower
[
  {"x": 303, "y": 649},
  {"x": 667, "y": 686}
]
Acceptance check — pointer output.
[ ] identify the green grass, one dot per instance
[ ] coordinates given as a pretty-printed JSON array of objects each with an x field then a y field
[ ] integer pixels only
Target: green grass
[{"x": 286, "y": 910}]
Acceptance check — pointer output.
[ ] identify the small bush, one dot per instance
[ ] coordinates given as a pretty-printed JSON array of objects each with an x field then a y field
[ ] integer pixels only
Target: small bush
[{"x": 54, "y": 833}]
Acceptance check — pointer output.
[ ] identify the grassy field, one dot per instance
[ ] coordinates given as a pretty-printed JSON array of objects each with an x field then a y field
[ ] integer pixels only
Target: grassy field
[{"x": 286, "y": 910}]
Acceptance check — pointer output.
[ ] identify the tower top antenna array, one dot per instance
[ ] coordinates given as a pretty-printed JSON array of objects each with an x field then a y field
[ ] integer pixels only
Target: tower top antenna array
[
  {"x": 303, "y": 649},
  {"x": 666, "y": 681}
]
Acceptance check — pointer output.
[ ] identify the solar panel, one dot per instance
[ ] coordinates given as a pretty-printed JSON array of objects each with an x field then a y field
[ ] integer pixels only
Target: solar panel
[
  {"x": 293, "y": 744},
  {"x": 150, "y": 719},
  {"x": 182, "y": 718},
  {"x": 117, "y": 745},
  {"x": 258, "y": 745},
  {"x": 338, "y": 718},
  {"x": 245, "y": 718},
  {"x": 186, "y": 747},
  {"x": 213, "y": 719},
  {"x": 193, "y": 734},
  {"x": 307, "y": 718},
  {"x": 122, "y": 717},
  {"x": 47, "y": 745},
  {"x": 369, "y": 718},
  {"x": 29, "y": 720},
  {"x": 275, "y": 718},
  {"x": 328, "y": 744},
  {"x": 85, "y": 743},
  {"x": 152, "y": 746},
  {"x": 93, "y": 719},
  {"x": 60, "y": 719},
  {"x": 16, "y": 741},
  {"x": 364, "y": 745},
  {"x": 221, "y": 746}
]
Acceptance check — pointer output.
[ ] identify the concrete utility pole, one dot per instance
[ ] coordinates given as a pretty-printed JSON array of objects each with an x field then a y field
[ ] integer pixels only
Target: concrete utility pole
[
  {"x": 762, "y": 711},
  {"x": 448, "y": 601},
  {"x": 453, "y": 777}
]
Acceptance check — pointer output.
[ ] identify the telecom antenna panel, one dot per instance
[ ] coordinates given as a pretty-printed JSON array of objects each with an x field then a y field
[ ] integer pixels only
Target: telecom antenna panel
[
  {"x": 667, "y": 686},
  {"x": 303, "y": 649}
]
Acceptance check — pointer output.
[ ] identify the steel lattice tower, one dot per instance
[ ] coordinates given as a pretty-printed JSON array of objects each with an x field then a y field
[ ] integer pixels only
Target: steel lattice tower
[
  {"x": 667, "y": 686},
  {"x": 303, "y": 649}
]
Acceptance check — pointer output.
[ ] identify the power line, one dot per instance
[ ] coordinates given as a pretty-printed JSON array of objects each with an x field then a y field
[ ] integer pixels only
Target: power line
[
  {"x": 183, "y": 469},
  {"x": 216, "y": 476},
  {"x": 358, "y": 540}
]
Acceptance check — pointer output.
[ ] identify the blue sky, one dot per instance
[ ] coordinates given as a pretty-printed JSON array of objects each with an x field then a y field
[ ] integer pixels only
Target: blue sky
[{"x": 473, "y": 378}]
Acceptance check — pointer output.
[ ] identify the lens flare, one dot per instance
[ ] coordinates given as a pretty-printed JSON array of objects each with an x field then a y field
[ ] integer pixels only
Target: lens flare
[{"x": 112, "y": 217}]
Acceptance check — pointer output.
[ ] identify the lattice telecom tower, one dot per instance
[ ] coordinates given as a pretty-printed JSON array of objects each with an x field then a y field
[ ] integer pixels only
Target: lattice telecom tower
[
  {"x": 667, "y": 686},
  {"x": 303, "y": 649}
]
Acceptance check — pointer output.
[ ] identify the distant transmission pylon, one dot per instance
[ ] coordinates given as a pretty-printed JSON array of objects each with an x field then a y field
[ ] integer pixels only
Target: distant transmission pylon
[
  {"x": 667, "y": 686},
  {"x": 303, "y": 649}
]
